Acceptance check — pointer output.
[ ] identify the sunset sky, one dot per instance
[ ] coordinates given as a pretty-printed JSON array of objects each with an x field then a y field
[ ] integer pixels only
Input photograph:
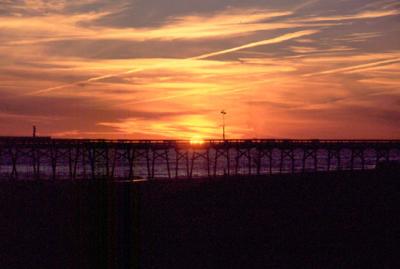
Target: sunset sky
[{"x": 166, "y": 68}]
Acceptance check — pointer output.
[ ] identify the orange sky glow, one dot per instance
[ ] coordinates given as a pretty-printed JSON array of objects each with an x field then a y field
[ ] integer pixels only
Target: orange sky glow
[{"x": 157, "y": 70}]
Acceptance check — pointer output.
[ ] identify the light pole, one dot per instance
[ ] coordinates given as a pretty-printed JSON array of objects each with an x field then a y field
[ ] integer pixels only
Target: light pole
[{"x": 223, "y": 112}]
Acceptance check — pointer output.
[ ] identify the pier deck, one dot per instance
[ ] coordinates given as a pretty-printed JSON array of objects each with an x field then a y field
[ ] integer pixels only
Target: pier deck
[{"x": 48, "y": 158}]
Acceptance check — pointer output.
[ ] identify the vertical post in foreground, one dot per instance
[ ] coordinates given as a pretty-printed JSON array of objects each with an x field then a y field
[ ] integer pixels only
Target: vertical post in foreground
[{"x": 223, "y": 112}]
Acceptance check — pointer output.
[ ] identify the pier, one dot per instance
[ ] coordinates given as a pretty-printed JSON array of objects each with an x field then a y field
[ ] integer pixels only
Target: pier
[{"x": 74, "y": 159}]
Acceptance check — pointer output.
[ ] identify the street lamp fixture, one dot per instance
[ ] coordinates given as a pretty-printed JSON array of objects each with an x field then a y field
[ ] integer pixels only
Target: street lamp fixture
[{"x": 223, "y": 113}]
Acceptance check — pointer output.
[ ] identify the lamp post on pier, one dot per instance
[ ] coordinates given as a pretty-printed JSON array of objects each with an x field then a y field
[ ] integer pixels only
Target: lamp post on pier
[{"x": 223, "y": 113}]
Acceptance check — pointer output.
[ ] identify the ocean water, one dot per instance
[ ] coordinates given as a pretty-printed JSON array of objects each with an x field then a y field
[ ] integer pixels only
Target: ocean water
[{"x": 195, "y": 164}]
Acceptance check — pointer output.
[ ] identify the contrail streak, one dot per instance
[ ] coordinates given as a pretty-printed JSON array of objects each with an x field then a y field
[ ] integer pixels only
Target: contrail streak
[
  {"x": 85, "y": 81},
  {"x": 258, "y": 43},
  {"x": 184, "y": 94},
  {"x": 275, "y": 40},
  {"x": 354, "y": 67},
  {"x": 305, "y": 4}
]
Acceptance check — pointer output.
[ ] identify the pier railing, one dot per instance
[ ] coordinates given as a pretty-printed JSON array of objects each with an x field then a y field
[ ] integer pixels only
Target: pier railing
[{"x": 61, "y": 159}]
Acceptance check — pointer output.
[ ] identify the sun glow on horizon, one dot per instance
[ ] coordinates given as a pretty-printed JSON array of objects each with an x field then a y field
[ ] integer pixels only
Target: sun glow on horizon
[
  {"x": 281, "y": 69},
  {"x": 197, "y": 140}
]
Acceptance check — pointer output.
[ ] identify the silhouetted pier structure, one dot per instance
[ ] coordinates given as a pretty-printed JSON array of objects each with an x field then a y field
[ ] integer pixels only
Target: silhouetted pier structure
[{"x": 47, "y": 158}]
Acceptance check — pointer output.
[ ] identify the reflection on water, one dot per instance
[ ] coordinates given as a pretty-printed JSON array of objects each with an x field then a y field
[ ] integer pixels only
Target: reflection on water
[{"x": 197, "y": 163}]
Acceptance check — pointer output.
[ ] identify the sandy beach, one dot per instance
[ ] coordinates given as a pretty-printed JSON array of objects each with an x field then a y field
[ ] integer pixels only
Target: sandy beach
[{"x": 320, "y": 220}]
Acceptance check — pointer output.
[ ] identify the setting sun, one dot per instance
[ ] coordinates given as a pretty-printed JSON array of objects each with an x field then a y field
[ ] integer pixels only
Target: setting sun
[
  {"x": 209, "y": 134},
  {"x": 196, "y": 140},
  {"x": 293, "y": 69}
]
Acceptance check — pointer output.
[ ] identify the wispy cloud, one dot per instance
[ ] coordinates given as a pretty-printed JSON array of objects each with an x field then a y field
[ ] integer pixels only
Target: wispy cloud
[
  {"x": 78, "y": 27},
  {"x": 358, "y": 16},
  {"x": 87, "y": 69},
  {"x": 175, "y": 63},
  {"x": 352, "y": 68},
  {"x": 275, "y": 40}
]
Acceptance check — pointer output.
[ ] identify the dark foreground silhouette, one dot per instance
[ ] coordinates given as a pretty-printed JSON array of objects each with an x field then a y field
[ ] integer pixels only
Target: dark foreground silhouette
[{"x": 335, "y": 220}]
